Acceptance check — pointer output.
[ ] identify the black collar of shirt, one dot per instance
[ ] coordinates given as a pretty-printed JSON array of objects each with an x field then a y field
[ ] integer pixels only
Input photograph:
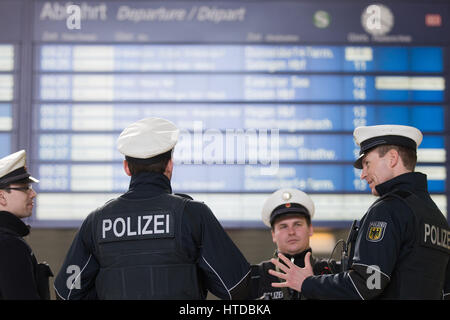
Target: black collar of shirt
[
  {"x": 12, "y": 224},
  {"x": 410, "y": 181},
  {"x": 147, "y": 185},
  {"x": 299, "y": 258}
]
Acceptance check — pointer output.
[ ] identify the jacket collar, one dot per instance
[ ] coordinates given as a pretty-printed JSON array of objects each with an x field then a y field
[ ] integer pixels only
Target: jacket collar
[
  {"x": 148, "y": 184},
  {"x": 299, "y": 258},
  {"x": 411, "y": 181},
  {"x": 12, "y": 224}
]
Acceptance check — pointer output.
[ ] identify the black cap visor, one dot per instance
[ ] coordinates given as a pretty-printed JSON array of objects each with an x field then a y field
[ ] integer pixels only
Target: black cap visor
[
  {"x": 358, "y": 163},
  {"x": 292, "y": 209},
  {"x": 16, "y": 175},
  {"x": 158, "y": 158}
]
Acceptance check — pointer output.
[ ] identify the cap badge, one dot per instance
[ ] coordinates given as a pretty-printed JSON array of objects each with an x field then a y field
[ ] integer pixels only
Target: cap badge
[{"x": 286, "y": 196}]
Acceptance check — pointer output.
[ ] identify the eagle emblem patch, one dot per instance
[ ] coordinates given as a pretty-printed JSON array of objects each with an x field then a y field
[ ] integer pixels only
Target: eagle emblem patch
[{"x": 376, "y": 230}]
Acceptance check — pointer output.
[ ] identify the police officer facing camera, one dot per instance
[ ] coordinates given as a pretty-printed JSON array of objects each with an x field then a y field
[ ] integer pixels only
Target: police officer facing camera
[
  {"x": 288, "y": 212},
  {"x": 149, "y": 243},
  {"x": 21, "y": 277},
  {"x": 402, "y": 247}
]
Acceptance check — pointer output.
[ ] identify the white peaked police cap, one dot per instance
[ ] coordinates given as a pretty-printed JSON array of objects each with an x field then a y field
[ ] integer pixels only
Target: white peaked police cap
[
  {"x": 13, "y": 168},
  {"x": 286, "y": 201},
  {"x": 148, "y": 140},
  {"x": 370, "y": 137}
]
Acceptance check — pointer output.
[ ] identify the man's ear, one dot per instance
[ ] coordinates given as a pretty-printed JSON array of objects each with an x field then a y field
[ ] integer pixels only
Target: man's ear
[
  {"x": 394, "y": 157},
  {"x": 273, "y": 236},
  {"x": 3, "y": 200},
  {"x": 311, "y": 230},
  {"x": 169, "y": 169},
  {"x": 126, "y": 168}
]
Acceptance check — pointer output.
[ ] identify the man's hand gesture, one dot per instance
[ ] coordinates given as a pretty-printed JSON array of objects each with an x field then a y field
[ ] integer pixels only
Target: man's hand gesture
[{"x": 292, "y": 274}]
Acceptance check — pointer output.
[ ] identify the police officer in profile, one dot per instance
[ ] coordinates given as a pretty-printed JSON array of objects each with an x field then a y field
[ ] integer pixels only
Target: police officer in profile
[
  {"x": 149, "y": 243},
  {"x": 21, "y": 276},
  {"x": 402, "y": 247},
  {"x": 288, "y": 212}
]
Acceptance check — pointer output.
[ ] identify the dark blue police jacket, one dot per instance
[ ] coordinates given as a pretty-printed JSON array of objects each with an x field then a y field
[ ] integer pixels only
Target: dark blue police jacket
[
  {"x": 401, "y": 251},
  {"x": 151, "y": 244},
  {"x": 18, "y": 265}
]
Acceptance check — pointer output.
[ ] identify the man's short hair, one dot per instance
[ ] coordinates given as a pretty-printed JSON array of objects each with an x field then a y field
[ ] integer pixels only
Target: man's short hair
[
  {"x": 408, "y": 156},
  {"x": 158, "y": 167}
]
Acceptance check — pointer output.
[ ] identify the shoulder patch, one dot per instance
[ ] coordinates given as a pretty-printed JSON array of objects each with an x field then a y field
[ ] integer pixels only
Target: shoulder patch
[{"x": 375, "y": 232}]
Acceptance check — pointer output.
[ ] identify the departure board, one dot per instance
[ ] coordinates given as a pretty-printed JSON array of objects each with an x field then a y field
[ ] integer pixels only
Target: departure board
[
  {"x": 266, "y": 95},
  {"x": 6, "y": 97}
]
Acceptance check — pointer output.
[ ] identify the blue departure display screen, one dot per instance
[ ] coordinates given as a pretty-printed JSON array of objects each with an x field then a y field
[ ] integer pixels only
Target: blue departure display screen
[
  {"x": 209, "y": 90},
  {"x": 7, "y": 70},
  {"x": 266, "y": 95},
  {"x": 241, "y": 58}
]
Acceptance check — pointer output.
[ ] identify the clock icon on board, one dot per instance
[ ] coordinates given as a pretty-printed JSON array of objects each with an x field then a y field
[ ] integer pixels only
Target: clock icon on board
[{"x": 377, "y": 19}]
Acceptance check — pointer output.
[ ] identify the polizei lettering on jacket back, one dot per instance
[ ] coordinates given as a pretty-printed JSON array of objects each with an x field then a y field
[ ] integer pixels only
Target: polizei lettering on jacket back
[
  {"x": 436, "y": 236},
  {"x": 144, "y": 225}
]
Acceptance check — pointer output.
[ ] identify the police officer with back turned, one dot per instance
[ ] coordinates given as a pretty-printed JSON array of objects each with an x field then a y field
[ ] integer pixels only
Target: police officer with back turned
[
  {"x": 149, "y": 243},
  {"x": 402, "y": 247},
  {"x": 21, "y": 276}
]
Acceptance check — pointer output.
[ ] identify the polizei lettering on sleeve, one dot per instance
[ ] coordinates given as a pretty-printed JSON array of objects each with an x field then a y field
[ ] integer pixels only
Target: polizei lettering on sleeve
[{"x": 147, "y": 225}]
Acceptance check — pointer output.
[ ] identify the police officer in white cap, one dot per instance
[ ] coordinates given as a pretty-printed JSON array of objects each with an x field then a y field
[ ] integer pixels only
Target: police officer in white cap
[
  {"x": 402, "y": 247},
  {"x": 288, "y": 212},
  {"x": 21, "y": 277},
  {"x": 149, "y": 243}
]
